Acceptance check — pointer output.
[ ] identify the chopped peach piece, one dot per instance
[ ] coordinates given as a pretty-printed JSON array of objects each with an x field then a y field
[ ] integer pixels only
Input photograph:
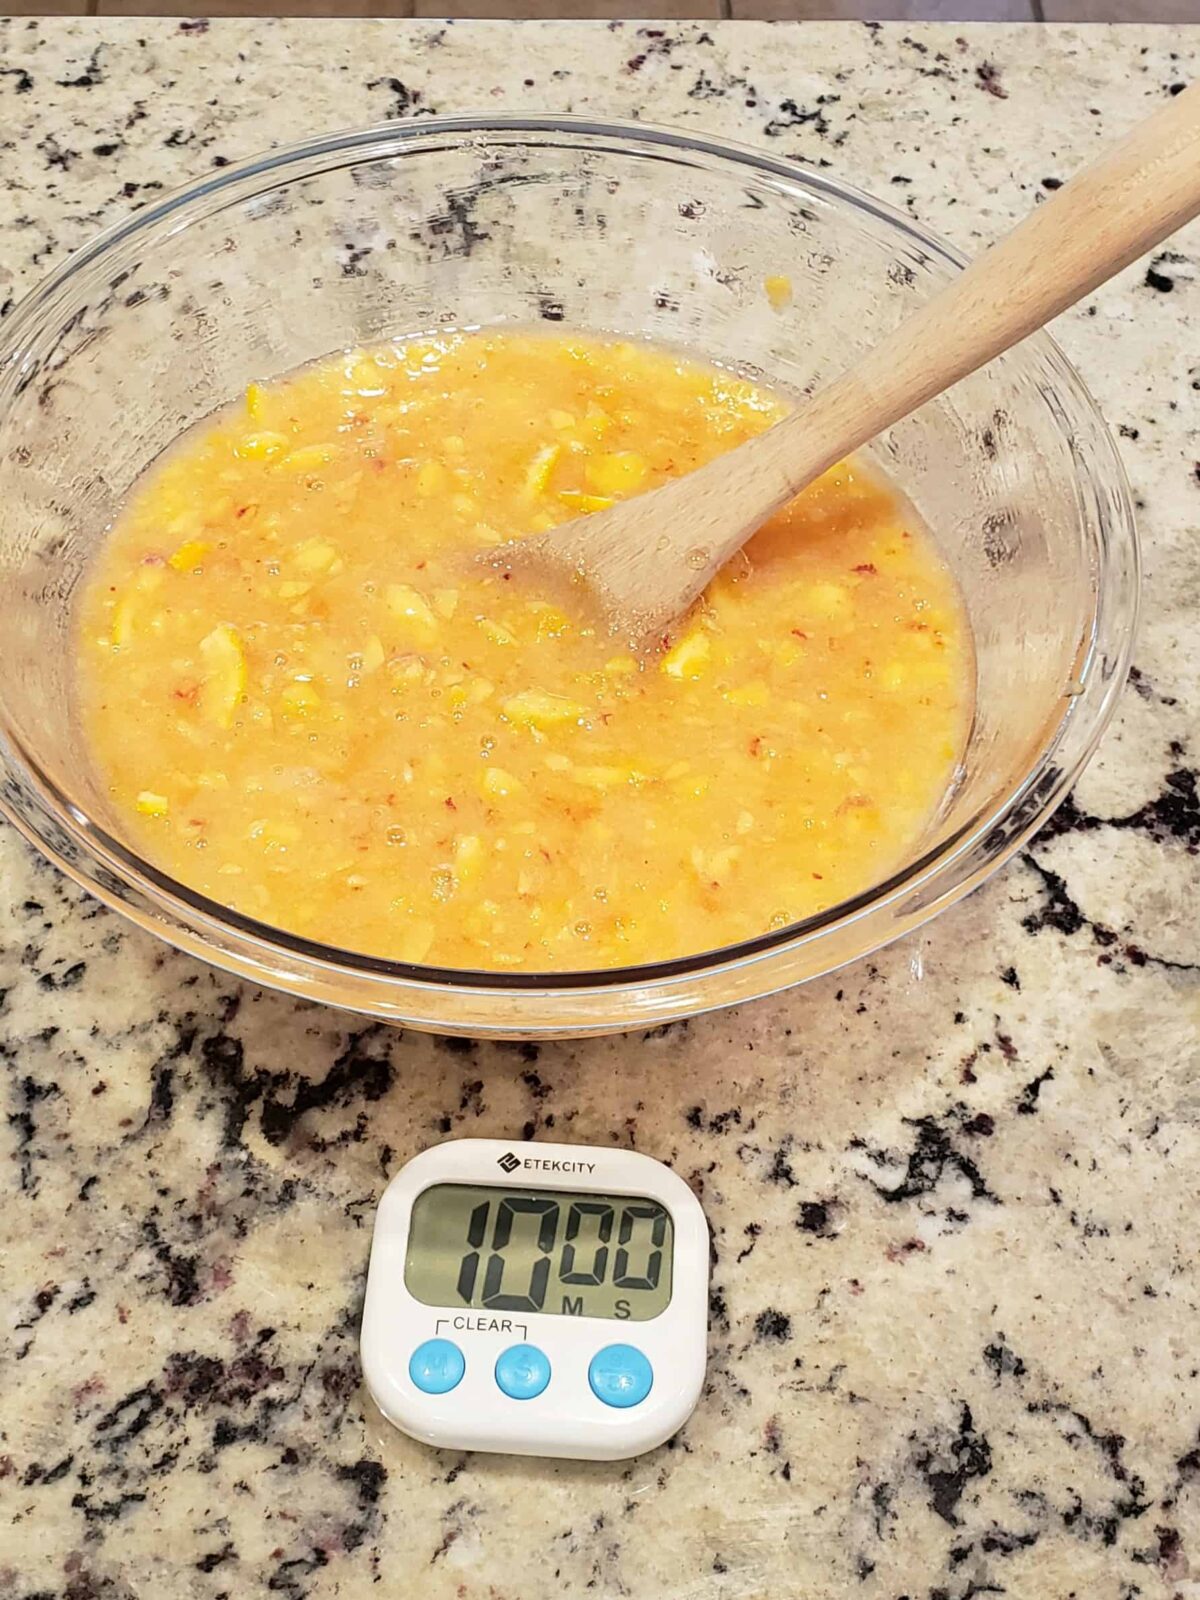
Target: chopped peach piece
[
  {"x": 315, "y": 556},
  {"x": 534, "y": 709},
  {"x": 300, "y": 699},
  {"x": 621, "y": 472},
  {"x": 754, "y": 693},
  {"x": 372, "y": 655},
  {"x": 224, "y": 658},
  {"x": 468, "y": 857},
  {"x": 602, "y": 777},
  {"x": 537, "y": 474},
  {"x": 689, "y": 658},
  {"x": 261, "y": 446},
  {"x": 500, "y": 784},
  {"x": 411, "y": 608},
  {"x": 309, "y": 458},
  {"x": 779, "y": 291},
  {"x": 496, "y": 632},
  {"x": 190, "y": 555},
  {"x": 123, "y": 621},
  {"x": 432, "y": 479},
  {"x": 585, "y": 503}
]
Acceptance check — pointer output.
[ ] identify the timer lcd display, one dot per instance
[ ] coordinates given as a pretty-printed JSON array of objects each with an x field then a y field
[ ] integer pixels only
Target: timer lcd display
[{"x": 575, "y": 1255}]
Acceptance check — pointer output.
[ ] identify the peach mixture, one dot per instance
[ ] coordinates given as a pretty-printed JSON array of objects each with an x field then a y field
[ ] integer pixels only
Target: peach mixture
[{"x": 309, "y": 699}]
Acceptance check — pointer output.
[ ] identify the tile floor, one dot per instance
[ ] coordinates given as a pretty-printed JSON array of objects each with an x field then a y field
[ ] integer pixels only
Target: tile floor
[{"x": 1166, "y": 11}]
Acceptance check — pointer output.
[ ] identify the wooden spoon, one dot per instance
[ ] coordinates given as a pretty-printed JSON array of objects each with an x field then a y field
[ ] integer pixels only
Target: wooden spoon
[{"x": 648, "y": 558}]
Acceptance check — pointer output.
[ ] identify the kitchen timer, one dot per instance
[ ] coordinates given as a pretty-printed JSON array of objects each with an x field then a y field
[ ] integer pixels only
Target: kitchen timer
[{"x": 537, "y": 1299}]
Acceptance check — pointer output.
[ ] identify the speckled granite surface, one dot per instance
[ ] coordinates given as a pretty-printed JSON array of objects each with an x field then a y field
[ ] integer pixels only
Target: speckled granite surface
[{"x": 953, "y": 1192}]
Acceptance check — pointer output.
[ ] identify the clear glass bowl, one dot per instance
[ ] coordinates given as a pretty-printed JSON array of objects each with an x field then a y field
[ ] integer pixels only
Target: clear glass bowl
[{"x": 604, "y": 227}]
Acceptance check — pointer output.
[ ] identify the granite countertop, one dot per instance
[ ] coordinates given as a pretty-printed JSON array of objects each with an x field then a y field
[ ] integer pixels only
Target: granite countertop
[{"x": 952, "y": 1191}]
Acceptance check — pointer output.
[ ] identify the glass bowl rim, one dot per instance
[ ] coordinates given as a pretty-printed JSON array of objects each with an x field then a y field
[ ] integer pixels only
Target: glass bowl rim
[{"x": 328, "y": 152}]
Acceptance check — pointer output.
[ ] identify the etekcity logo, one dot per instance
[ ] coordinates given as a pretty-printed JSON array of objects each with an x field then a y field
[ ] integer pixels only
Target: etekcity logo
[{"x": 508, "y": 1162}]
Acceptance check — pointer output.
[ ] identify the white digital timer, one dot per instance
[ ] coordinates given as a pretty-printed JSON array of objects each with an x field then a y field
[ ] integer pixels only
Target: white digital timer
[{"x": 537, "y": 1299}]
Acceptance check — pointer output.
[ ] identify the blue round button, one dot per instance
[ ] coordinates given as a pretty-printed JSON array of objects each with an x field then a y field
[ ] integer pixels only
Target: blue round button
[
  {"x": 436, "y": 1366},
  {"x": 522, "y": 1371},
  {"x": 620, "y": 1375}
]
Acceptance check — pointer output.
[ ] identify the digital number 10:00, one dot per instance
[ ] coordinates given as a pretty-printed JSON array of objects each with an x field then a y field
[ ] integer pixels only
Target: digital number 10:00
[{"x": 516, "y": 1278}]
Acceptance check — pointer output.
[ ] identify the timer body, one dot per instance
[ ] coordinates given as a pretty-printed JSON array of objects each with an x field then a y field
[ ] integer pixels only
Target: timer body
[{"x": 537, "y": 1299}]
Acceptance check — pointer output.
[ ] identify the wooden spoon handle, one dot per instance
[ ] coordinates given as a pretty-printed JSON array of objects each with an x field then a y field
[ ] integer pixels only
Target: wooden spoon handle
[
  {"x": 1115, "y": 210},
  {"x": 649, "y": 558}
]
